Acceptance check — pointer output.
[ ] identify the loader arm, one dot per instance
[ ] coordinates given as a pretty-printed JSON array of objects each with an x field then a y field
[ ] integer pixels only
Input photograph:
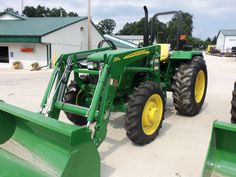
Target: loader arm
[
  {"x": 105, "y": 89},
  {"x": 35, "y": 144}
]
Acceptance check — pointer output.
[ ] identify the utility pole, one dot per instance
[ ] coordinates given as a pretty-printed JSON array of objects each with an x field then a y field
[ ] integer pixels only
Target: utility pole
[
  {"x": 89, "y": 25},
  {"x": 22, "y": 7}
]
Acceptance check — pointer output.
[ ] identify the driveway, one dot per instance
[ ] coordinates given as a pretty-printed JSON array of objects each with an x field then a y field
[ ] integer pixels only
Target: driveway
[{"x": 181, "y": 146}]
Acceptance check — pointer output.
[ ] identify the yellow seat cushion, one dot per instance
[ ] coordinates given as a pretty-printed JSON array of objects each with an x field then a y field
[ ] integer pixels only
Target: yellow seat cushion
[{"x": 165, "y": 48}]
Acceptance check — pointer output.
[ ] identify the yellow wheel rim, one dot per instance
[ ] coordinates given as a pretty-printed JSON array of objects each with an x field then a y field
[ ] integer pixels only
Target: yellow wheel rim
[
  {"x": 152, "y": 114},
  {"x": 200, "y": 85}
]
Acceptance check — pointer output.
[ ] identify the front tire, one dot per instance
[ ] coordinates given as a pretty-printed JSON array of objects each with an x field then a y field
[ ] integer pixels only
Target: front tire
[
  {"x": 189, "y": 86},
  {"x": 145, "y": 113},
  {"x": 233, "y": 103},
  {"x": 73, "y": 95}
]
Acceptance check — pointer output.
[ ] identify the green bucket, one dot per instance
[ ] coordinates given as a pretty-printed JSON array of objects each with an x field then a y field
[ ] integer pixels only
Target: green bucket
[
  {"x": 221, "y": 156},
  {"x": 32, "y": 145}
]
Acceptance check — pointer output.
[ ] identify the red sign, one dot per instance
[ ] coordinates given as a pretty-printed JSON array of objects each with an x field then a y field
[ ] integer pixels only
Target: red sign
[
  {"x": 29, "y": 50},
  {"x": 182, "y": 37}
]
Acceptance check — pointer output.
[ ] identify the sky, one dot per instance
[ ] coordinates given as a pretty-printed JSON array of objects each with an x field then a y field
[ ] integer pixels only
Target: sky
[{"x": 209, "y": 16}]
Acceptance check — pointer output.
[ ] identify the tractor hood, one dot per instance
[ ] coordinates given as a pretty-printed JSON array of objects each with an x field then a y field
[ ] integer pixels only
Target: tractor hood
[
  {"x": 121, "y": 54},
  {"x": 102, "y": 56}
]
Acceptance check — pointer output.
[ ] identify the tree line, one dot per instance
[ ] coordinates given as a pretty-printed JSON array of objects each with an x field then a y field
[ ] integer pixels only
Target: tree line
[
  {"x": 42, "y": 11},
  {"x": 165, "y": 32}
]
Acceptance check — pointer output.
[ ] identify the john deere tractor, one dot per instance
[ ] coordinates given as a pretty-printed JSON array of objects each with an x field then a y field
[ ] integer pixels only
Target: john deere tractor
[{"x": 133, "y": 81}]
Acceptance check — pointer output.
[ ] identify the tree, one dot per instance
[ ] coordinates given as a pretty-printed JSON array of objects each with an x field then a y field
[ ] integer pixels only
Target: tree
[
  {"x": 208, "y": 41},
  {"x": 106, "y": 26},
  {"x": 165, "y": 32},
  {"x": 72, "y": 14},
  {"x": 172, "y": 26},
  {"x": 29, "y": 11},
  {"x": 42, "y": 11},
  {"x": 11, "y": 10},
  {"x": 160, "y": 30},
  {"x": 137, "y": 28},
  {"x": 133, "y": 28},
  {"x": 128, "y": 29},
  {"x": 196, "y": 42},
  {"x": 214, "y": 40},
  {"x": 58, "y": 12}
]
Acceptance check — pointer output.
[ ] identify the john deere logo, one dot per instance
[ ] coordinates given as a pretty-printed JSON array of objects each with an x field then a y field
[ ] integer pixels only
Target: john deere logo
[
  {"x": 141, "y": 52},
  {"x": 116, "y": 59}
]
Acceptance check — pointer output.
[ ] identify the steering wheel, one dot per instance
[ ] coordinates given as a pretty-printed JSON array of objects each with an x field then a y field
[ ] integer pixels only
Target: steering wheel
[
  {"x": 109, "y": 42},
  {"x": 140, "y": 45}
]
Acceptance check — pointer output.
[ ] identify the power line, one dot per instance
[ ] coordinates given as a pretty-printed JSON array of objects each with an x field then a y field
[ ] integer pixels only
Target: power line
[{"x": 89, "y": 25}]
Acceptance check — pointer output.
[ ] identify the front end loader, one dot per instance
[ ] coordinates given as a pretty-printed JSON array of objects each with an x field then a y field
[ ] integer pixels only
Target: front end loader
[
  {"x": 34, "y": 145},
  {"x": 221, "y": 156},
  {"x": 105, "y": 80}
]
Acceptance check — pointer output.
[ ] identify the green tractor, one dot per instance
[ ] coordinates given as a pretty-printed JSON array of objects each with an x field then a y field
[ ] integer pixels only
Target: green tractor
[{"x": 133, "y": 81}]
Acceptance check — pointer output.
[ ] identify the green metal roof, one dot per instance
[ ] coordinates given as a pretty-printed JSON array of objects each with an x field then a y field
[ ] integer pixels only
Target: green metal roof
[
  {"x": 31, "y": 29},
  {"x": 14, "y": 15},
  {"x": 35, "y": 26},
  {"x": 228, "y": 32},
  {"x": 20, "y": 39}
]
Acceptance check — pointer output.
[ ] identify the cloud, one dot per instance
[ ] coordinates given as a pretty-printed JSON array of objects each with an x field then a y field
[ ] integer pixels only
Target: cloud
[{"x": 209, "y": 15}]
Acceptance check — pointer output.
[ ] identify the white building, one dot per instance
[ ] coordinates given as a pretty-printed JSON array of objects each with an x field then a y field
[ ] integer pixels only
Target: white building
[
  {"x": 226, "y": 39},
  {"x": 136, "y": 39},
  {"x": 120, "y": 43},
  {"x": 42, "y": 39}
]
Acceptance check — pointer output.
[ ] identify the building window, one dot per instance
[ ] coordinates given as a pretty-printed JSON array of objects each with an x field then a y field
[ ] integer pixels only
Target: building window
[{"x": 4, "y": 56}]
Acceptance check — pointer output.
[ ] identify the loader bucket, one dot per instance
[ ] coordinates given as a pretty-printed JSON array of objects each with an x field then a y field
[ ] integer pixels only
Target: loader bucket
[
  {"x": 32, "y": 145},
  {"x": 221, "y": 156}
]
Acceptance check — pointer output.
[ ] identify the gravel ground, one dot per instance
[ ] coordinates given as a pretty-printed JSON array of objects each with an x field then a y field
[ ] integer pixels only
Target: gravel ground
[{"x": 181, "y": 146}]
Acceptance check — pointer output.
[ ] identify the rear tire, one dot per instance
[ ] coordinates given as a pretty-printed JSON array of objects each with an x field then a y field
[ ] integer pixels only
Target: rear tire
[
  {"x": 145, "y": 113},
  {"x": 189, "y": 86},
  {"x": 71, "y": 96},
  {"x": 233, "y": 103}
]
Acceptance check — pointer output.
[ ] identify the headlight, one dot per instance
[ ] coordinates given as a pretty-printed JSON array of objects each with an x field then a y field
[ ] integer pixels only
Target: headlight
[
  {"x": 92, "y": 65},
  {"x": 82, "y": 64},
  {"x": 95, "y": 65}
]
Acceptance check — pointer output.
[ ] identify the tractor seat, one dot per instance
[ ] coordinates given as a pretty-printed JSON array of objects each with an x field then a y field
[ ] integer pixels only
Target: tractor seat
[
  {"x": 165, "y": 48},
  {"x": 187, "y": 47}
]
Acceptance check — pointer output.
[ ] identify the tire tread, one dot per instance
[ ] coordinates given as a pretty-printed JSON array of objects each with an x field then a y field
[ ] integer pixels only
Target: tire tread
[
  {"x": 134, "y": 110},
  {"x": 183, "y": 86},
  {"x": 69, "y": 97},
  {"x": 233, "y": 105}
]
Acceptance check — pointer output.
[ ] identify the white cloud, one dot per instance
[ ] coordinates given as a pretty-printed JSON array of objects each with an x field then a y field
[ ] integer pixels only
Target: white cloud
[{"x": 209, "y": 15}]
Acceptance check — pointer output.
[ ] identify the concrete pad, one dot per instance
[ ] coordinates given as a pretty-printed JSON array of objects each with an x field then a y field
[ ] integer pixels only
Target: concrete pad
[{"x": 181, "y": 146}]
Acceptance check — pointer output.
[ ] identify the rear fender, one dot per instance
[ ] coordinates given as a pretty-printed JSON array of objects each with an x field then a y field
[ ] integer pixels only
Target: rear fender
[{"x": 185, "y": 55}]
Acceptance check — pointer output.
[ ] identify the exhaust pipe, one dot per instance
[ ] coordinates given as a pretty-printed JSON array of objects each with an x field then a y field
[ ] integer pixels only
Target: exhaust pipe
[{"x": 146, "y": 30}]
